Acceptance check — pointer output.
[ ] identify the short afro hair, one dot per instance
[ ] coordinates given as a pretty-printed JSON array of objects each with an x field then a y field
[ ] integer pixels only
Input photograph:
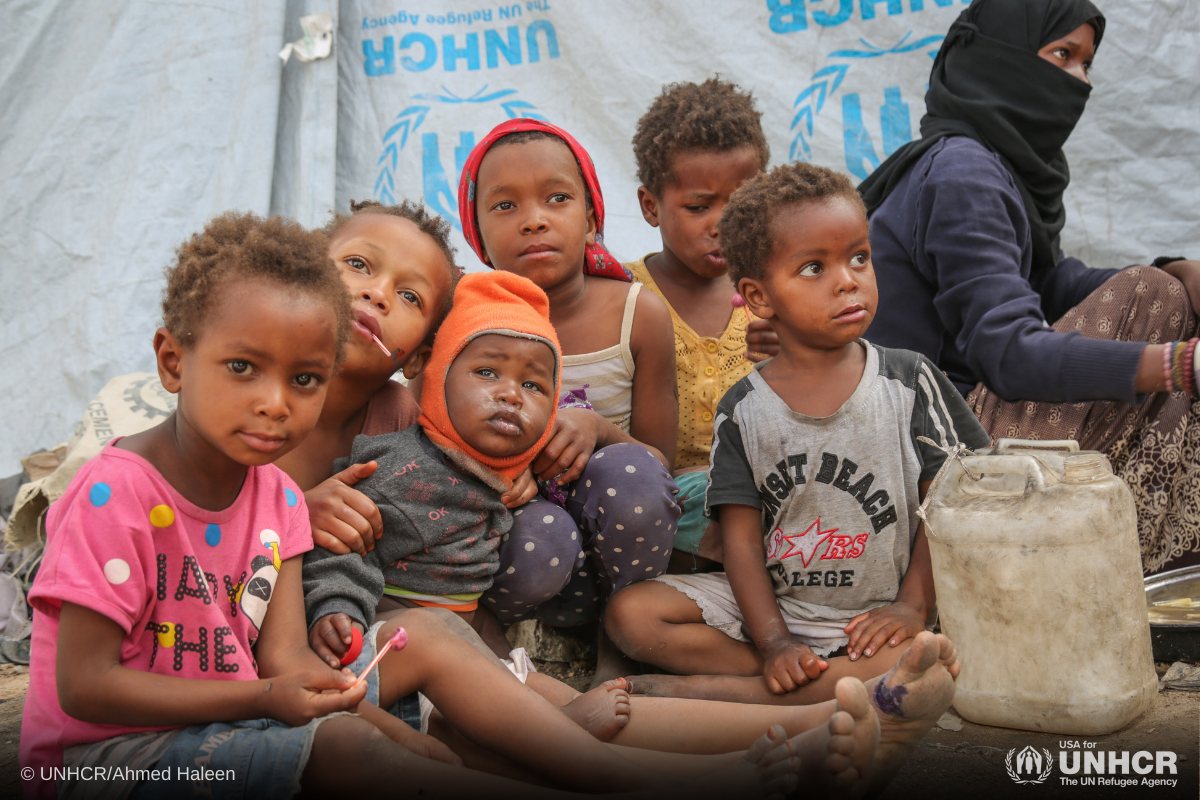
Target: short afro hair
[
  {"x": 714, "y": 116},
  {"x": 745, "y": 227},
  {"x": 429, "y": 224},
  {"x": 236, "y": 246}
]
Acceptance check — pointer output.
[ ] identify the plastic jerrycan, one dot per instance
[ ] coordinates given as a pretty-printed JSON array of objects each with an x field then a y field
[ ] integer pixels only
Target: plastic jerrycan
[{"x": 1039, "y": 584}]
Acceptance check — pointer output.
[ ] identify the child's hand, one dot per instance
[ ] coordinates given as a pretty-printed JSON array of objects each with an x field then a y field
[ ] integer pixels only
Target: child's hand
[
  {"x": 570, "y": 446},
  {"x": 300, "y": 697},
  {"x": 523, "y": 490},
  {"x": 330, "y": 638},
  {"x": 868, "y": 631},
  {"x": 791, "y": 666},
  {"x": 761, "y": 341},
  {"x": 344, "y": 519}
]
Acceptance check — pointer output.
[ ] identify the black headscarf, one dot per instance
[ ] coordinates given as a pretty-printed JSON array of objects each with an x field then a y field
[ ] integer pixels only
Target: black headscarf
[{"x": 989, "y": 83}]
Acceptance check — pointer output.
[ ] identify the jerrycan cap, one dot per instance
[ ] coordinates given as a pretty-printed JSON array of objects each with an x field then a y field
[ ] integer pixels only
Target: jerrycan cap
[{"x": 1085, "y": 466}]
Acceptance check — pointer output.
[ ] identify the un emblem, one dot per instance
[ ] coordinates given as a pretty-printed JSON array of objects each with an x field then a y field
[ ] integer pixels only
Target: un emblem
[{"x": 1031, "y": 766}]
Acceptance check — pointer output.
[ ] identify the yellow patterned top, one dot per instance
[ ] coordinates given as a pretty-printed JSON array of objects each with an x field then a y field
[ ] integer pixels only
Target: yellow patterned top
[{"x": 705, "y": 368}]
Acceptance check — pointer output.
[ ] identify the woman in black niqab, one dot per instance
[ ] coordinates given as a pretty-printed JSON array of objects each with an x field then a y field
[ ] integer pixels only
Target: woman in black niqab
[
  {"x": 989, "y": 83},
  {"x": 966, "y": 281}
]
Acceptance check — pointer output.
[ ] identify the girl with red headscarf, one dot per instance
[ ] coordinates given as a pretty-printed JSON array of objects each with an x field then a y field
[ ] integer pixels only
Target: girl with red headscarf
[{"x": 530, "y": 203}]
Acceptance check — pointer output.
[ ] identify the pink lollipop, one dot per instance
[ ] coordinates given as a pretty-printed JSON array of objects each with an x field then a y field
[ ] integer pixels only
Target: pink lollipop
[
  {"x": 382, "y": 346},
  {"x": 398, "y": 640},
  {"x": 738, "y": 301}
]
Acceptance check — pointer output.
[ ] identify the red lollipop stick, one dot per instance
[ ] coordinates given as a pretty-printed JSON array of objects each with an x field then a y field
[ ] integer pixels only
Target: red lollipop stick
[{"x": 398, "y": 640}]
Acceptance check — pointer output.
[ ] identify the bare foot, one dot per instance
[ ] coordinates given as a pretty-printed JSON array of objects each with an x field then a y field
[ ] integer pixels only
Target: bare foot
[
  {"x": 831, "y": 760},
  {"x": 602, "y": 711},
  {"x": 909, "y": 700}
]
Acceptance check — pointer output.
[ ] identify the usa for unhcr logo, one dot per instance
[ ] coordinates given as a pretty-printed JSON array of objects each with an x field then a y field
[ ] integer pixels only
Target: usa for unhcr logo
[
  {"x": 1082, "y": 763},
  {"x": 1031, "y": 766}
]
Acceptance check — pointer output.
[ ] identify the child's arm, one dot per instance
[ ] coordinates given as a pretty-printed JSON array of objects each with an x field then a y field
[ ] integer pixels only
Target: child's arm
[
  {"x": 787, "y": 664},
  {"x": 906, "y": 617},
  {"x": 94, "y": 687},
  {"x": 655, "y": 412}
]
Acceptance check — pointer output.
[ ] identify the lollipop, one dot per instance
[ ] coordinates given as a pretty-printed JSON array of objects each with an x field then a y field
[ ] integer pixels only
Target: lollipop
[
  {"x": 398, "y": 640},
  {"x": 382, "y": 346},
  {"x": 355, "y": 648}
]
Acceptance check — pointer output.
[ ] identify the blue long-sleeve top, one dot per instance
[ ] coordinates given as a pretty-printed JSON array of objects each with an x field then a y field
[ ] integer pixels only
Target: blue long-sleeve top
[{"x": 952, "y": 253}]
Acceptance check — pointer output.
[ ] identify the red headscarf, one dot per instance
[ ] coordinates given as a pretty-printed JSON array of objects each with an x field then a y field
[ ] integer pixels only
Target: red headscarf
[{"x": 597, "y": 260}]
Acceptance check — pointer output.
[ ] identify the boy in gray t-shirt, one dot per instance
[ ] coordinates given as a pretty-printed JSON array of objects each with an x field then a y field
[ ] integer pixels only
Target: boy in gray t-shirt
[{"x": 816, "y": 472}]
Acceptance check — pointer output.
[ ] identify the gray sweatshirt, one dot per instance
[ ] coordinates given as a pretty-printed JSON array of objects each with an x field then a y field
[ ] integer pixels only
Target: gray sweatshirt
[{"x": 441, "y": 531}]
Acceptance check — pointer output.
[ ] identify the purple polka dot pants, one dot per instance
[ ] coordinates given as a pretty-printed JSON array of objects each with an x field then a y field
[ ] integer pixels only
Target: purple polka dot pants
[{"x": 562, "y": 564}]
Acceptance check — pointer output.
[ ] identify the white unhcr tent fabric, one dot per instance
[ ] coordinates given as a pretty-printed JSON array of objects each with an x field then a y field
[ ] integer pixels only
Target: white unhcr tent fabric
[{"x": 125, "y": 125}]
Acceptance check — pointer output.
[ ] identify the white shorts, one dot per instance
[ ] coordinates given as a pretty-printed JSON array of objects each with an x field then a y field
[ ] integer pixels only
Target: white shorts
[{"x": 711, "y": 592}]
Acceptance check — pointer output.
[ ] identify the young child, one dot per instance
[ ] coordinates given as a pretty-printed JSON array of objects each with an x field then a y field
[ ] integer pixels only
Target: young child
[
  {"x": 168, "y": 603},
  {"x": 694, "y": 146},
  {"x": 816, "y": 473},
  {"x": 398, "y": 265},
  {"x": 531, "y": 204}
]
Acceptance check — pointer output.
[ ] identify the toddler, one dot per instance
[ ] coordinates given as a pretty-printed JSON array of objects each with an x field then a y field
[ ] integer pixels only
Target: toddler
[
  {"x": 694, "y": 146},
  {"x": 531, "y": 204},
  {"x": 816, "y": 471}
]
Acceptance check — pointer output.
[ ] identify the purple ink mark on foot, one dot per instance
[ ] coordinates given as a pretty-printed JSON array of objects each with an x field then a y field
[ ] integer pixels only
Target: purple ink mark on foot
[{"x": 888, "y": 700}]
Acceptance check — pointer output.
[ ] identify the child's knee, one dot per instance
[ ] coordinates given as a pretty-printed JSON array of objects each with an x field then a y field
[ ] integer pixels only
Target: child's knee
[
  {"x": 338, "y": 742},
  {"x": 630, "y": 616}
]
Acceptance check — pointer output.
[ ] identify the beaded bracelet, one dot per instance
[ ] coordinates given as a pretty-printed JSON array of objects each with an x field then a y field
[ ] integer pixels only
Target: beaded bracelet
[
  {"x": 1177, "y": 366},
  {"x": 1189, "y": 367},
  {"x": 1168, "y": 349}
]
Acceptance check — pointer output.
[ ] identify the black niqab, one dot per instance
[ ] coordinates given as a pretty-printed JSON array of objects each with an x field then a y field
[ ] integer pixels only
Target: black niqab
[{"x": 989, "y": 83}]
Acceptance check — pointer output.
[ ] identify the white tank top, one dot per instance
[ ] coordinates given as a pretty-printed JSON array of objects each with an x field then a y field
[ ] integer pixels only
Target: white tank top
[{"x": 607, "y": 374}]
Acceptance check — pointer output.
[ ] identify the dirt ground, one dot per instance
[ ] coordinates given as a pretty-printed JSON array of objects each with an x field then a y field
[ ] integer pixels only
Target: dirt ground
[
  {"x": 968, "y": 763},
  {"x": 14, "y": 681}
]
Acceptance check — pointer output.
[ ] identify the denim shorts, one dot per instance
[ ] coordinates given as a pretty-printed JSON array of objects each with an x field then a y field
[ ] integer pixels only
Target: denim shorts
[
  {"x": 408, "y": 708},
  {"x": 258, "y": 758}
]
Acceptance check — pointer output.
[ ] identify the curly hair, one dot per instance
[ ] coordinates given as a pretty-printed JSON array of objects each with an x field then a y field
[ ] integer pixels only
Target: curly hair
[
  {"x": 429, "y": 224},
  {"x": 714, "y": 116},
  {"x": 239, "y": 246},
  {"x": 745, "y": 227}
]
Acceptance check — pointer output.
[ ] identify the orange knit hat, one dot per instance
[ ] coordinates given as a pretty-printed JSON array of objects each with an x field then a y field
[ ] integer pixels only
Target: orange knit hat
[{"x": 484, "y": 303}]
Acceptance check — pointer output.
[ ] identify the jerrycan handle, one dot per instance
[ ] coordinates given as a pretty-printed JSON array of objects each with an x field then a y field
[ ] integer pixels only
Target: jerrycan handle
[
  {"x": 987, "y": 475},
  {"x": 1014, "y": 446}
]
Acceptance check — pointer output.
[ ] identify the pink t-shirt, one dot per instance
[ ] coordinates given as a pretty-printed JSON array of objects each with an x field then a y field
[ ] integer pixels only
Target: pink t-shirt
[{"x": 189, "y": 587}]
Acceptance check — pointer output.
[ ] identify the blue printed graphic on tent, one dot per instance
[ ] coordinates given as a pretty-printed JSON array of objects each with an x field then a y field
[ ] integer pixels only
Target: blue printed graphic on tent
[
  {"x": 436, "y": 140},
  {"x": 865, "y": 143}
]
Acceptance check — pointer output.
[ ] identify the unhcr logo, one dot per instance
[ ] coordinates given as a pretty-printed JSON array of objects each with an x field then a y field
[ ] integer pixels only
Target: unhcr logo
[{"x": 1030, "y": 765}]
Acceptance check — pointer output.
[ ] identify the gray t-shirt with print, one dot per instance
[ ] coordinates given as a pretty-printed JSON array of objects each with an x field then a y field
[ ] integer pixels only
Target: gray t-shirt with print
[{"x": 838, "y": 494}]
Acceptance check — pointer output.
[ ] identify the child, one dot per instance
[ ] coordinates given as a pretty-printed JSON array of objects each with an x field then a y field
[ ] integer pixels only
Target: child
[
  {"x": 816, "y": 471},
  {"x": 694, "y": 146},
  {"x": 398, "y": 265},
  {"x": 531, "y": 204},
  {"x": 122, "y": 649}
]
